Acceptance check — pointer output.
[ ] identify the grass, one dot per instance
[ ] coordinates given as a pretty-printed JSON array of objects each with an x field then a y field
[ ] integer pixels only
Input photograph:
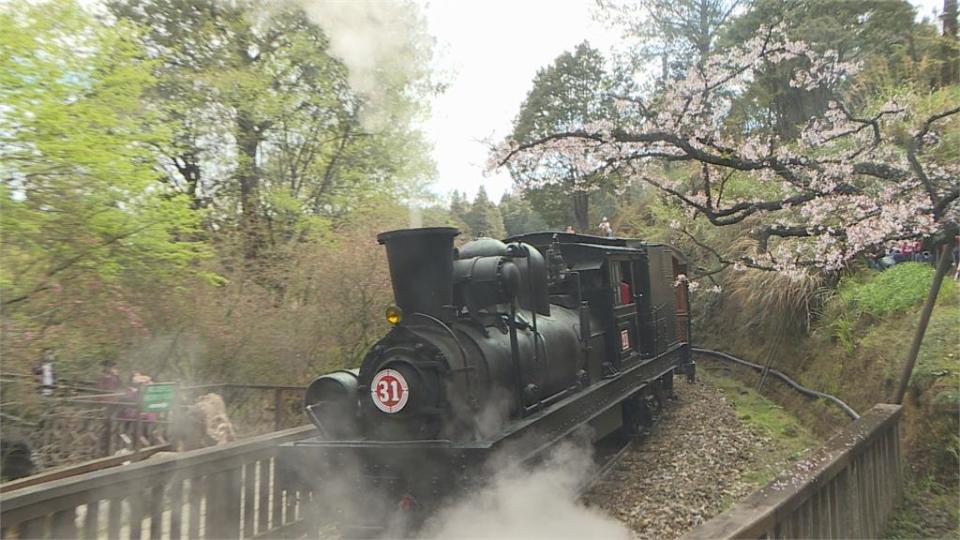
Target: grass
[
  {"x": 791, "y": 440},
  {"x": 903, "y": 286},
  {"x": 929, "y": 510},
  {"x": 856, "y": 351},
  {"x": 868, "y": 297}
]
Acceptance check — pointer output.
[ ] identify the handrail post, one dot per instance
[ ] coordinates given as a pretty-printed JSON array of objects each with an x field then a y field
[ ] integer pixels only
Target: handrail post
[
  {"x": 276, "y": 409},
  {"x": 138, "y": 425}
]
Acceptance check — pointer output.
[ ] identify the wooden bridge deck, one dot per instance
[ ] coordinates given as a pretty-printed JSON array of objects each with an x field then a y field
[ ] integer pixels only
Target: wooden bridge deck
[{"x": 847, "y": 489}]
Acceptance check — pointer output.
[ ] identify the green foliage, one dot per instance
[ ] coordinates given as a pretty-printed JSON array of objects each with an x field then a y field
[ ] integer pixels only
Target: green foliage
[
  {"x": 567, "y": 95},
  {"x": 483, "y": 218},
  {"x": 883, "y": 36},
  {"x": 673, "y": 34},
  {"x": 519, "y": 217},
  {"x": 80, "y": 198},
  {"x": 136, "y": 146},
  {"x": 877, "y": 294},
  {"x": 929, "y": 510},
  {"x": 266, "y": 118}
]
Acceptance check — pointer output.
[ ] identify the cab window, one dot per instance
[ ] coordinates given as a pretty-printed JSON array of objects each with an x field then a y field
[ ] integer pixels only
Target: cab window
[{"x": 621, "y": 277}]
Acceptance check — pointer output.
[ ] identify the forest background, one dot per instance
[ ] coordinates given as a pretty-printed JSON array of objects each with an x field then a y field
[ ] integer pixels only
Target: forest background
[{"x": 193, "y": 189}]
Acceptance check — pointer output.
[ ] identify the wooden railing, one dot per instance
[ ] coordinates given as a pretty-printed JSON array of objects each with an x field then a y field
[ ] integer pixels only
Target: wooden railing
[
  {"x": 74, "y": 430},
  {"x": 235, "y": 490},
  {"x": 846, "y": 489}
]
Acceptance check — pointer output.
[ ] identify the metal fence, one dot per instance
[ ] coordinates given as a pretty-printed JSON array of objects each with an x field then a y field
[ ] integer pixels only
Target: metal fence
[{"x": 846, "y": 489}]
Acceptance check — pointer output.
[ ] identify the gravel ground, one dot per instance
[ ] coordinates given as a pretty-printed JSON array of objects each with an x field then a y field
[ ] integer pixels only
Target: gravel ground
[{"x": 695, "y": 463}]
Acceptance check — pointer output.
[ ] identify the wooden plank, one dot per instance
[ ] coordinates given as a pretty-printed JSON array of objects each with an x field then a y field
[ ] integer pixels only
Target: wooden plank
[
  {"x": 137, "y": 511},
  {"x": 213, "y": 515},
  {"x": 263, "y": 495},
  {"x": 836, "y": 528},
  {"x": 156, "y": 512},
  {"x": 34, "y": 528},
  {"x": 64, "y": 524},
  {"x": 277, "y": 496},
  {"x": 289, "y": 498},
  {"x": 176, "y": 508},
  {"x": 223, "y": 505},
  {"x": 232, "y": 500},
  {"x": 249, "y": 497},
  {"x": 197, "y": 492},
  {"x": 114, "y": 514},
  {"x": 89, "y": 466},
  {"x": 869, "y": 492},
  {"x": 91, "y": 522},
  {"x": 277, "y": 409}
]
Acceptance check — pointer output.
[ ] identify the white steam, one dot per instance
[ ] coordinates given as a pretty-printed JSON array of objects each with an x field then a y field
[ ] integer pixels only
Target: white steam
[
  {"x": 530, "y": 503},
  {"x": 416, "y": 217},
  {"x": 379, "y": 41}
]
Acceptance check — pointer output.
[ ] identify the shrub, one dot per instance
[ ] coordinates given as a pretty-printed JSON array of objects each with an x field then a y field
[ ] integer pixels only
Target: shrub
[{"x": 893, "y": 290}]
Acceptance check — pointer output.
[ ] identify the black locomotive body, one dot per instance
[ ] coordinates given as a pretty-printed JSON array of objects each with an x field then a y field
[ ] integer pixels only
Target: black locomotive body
[{"x": 496, "y": 347}]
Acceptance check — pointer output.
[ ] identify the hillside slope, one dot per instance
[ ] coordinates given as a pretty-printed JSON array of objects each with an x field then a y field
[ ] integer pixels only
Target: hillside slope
[{"x": 855, "y": 350}]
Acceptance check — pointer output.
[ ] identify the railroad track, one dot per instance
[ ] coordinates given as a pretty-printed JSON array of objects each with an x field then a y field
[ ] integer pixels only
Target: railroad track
[{"x": 607, "y": 453}]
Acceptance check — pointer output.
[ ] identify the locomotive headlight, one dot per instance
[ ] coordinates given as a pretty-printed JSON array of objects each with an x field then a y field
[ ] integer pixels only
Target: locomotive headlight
[{"x": 394, "y": 315}]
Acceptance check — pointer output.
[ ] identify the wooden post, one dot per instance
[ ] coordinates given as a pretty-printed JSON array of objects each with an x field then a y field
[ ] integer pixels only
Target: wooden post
[
  {"x": 277, "y": 404},
  {"x": 138, "y": 425},
  {"x": 108, "y": 430},
  {"x": 942, "y": 266}
]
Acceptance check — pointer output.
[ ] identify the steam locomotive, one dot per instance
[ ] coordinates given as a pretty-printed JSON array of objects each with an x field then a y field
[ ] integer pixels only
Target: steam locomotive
[{"x": 498, "y": 347}]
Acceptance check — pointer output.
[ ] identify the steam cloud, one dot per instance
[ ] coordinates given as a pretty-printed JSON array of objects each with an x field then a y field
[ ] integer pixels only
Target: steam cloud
[
  {"x": 378, "y": 40},
  {"x": 530, "y": 503}
]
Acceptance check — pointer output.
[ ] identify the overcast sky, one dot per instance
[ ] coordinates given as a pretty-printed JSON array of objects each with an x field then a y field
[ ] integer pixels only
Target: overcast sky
[{"x": 489, "y": 51}]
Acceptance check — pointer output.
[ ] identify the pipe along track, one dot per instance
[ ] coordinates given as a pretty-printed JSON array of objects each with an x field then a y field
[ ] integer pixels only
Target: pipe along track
[{"x": 848, "y": 410}]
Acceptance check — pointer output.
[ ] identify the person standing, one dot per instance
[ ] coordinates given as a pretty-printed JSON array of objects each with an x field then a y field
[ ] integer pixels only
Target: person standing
[
  {"x": 109, "y": 380},
  {"x": 605, "y": 228}
]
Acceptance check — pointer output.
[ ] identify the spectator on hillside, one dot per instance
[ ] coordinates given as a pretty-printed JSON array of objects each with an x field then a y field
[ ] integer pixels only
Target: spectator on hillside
[
  {"x": 906, "y": 248},
  {"x": 956, "y": 250},
  {"x": 132, "y": 393},
  {"x": 956, "y": 256},
  {"x": 109, "y": 380},
  {"x": 605, "y": 228},
  {"x": 570, "y": 229}
]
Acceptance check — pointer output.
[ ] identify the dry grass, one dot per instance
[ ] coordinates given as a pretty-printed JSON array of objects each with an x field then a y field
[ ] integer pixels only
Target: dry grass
[{"x": 772, "y": 301}]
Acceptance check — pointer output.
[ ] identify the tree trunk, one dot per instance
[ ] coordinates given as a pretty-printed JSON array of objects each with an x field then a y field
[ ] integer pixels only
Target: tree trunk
[
  {"x": 942, "y": 267},
  {"x": 581, "y": 211},
  {"x": 248, "y": 179},
  {"x": 703, "y": 35},
  {"x": 950, "y": 73}
]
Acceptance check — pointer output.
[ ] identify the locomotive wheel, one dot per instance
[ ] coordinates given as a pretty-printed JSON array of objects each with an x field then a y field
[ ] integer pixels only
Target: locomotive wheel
[
  {"x": 637, "y": 416},
  {"x": 657, "y": 397},
  {"x": 667, "y": 385}
]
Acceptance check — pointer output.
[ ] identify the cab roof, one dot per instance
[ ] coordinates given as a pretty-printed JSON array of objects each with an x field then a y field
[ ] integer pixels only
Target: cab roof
[{"x": 601, "y": 243}]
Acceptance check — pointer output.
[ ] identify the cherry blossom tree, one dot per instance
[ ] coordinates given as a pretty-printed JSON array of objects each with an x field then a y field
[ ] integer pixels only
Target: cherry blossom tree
[{"x": 857, "y": 179}]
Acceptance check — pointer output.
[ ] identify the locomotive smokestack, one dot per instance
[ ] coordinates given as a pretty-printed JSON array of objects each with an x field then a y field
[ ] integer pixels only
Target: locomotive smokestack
[{"x": 421, "y": 268}]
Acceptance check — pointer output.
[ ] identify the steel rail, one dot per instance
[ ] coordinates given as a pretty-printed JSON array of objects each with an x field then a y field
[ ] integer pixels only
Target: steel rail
[{"x": 780, "y": 375}]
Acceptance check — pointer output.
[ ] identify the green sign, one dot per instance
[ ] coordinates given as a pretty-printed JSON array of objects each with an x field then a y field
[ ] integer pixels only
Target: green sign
[{"x": 159, "y": 397}]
